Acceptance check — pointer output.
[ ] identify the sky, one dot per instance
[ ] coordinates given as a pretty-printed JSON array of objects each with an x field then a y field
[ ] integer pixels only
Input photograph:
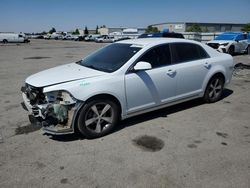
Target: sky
[{"x": 67, "y": 15}]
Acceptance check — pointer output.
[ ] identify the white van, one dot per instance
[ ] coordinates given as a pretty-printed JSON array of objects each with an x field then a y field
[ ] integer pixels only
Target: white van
[{"x": 12, "y": 37}]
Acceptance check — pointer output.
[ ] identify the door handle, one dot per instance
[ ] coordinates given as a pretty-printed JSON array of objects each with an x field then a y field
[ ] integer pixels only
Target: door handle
[
  {"x": 171, "y": 72},
  {"x": 207, "y": 65}
]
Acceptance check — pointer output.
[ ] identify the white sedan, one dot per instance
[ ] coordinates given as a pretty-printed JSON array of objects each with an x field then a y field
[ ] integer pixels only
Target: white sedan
[
  {"x": 231, "y": 42},
  {"x": 122, "y": 80}
]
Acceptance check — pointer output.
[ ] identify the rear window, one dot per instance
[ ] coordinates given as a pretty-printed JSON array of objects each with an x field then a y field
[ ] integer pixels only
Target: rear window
[
  {"x": 173, "y": 35},
  {"x": 183, "y": 52}
]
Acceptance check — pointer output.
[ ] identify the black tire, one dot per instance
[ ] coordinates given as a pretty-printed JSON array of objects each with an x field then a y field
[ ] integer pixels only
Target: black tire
[
  {"x": 89, "y": 116},
  {"x": 5, "y": 41},
  {"x": 214, "y": 89},
  {"x": 248, "y": 50},
  {"x": 231, "y": 50}
]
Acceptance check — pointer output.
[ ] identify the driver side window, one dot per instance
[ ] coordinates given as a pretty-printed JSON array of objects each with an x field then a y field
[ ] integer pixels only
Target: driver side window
[{"x": 158, "y": 56}]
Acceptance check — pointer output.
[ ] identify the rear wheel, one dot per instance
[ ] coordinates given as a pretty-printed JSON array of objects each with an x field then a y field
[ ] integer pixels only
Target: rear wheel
[
  {"x": 98, "y": 118},
  {"x": 5, "y": 41},
  {"x": 214, "y": 89}
]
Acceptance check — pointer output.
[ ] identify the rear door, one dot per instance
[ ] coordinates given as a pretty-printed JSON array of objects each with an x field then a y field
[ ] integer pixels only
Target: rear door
[{"x": 192, "y": 64}]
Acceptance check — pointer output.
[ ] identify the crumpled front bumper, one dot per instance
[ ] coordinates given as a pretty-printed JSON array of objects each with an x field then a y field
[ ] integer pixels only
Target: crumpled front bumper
[
  {"x": 222, "y": 49},
  {"x": 41, "y": 114}
]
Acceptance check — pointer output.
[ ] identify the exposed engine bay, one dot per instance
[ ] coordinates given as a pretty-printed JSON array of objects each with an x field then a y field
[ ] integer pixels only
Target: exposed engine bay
[{"x": 54, "y": 110}]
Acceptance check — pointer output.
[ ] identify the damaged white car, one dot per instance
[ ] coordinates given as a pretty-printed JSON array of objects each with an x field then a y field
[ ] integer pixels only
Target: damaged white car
[
  {"x": 122, "y": 80},
  {"x": 231, "y": 42}
]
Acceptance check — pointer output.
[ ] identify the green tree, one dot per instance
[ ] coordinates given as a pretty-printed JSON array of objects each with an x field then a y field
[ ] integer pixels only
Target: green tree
[
  {"x": 76, "y": 32},
  {"x": 194, "y": 28},
  {"x": 151, "y": 29},
  {"x": 246, "y": 28},
  {"x": 96, "y": 30},
  {"x": 86, "y": 31},
  {"x": 52, "y": 30}
]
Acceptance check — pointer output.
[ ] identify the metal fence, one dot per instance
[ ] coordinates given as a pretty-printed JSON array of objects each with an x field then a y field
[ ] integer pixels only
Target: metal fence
[{"x": 201, "y": 37}]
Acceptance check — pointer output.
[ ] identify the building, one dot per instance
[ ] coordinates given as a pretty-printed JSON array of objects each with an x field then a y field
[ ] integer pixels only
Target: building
[
  {"x": 124, "y": 30},
  {"x": 91, "y": 31},
  {"x": 205, "y": 27}
]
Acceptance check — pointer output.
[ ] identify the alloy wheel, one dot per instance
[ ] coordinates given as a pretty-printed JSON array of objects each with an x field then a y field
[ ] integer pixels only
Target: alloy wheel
[
  {"x": 99, "y": 117},
  {"x": 215, "y": 89}
]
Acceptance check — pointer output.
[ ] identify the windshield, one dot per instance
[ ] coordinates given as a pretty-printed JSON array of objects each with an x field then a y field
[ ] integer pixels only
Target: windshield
[
  {"x": 226, "y": 37},
  {"x": 110, "y": 58}
]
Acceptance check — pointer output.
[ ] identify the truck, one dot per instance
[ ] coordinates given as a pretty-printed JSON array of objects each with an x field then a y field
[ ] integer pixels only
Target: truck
[{"x": 13, "y": 37}]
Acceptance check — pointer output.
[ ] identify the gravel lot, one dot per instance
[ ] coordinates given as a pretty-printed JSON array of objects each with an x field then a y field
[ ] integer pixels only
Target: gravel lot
[{"x": 188, "y": 145}]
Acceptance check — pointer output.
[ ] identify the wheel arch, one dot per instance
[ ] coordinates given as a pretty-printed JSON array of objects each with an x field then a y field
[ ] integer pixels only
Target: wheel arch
[
  {"x": 97, "y": 96},
  {"x": 106, "y": 96},
  {"x": 210, "y": 76}
]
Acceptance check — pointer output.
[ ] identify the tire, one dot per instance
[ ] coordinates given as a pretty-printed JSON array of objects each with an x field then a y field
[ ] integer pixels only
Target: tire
[
  {"x": 97, "y": 118},
  {"x": 231, "y": 50},
  {"x": 214, "y": 89},
  {"x": 248, "y": 50},
  {"x": 5, "y": 41}
]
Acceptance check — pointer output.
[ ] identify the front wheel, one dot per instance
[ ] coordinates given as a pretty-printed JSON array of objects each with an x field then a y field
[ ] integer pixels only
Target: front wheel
[
  {"x": 214, "y": 89},
  {"x": 98, "y": 118},
  {"x": 231, "y": 50}
]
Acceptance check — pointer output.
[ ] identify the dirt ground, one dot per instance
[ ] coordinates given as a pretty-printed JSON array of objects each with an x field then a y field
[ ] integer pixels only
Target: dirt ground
[{"x": 187, "y": 145}]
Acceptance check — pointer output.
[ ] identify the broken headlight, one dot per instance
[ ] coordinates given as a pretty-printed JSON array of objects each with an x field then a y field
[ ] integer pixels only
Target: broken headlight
[
  {"x": 60, "y": 97},
  {"x": 60, "y": 103}
]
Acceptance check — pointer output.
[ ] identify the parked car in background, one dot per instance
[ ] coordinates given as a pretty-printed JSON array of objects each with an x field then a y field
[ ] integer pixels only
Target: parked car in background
[
  {"x": 13, "y": 37},
  {"x": 91, "y": 37},
  {"x": 105, "y": 38},
  {"x": 231, "y": 42},
  {"x": 80, "y": 38},
  {"x": 70, "y": 37},
  {"x": 56, "y": 36},
  {"x": 46, "y": 37},
  {"x": 162, "y": 34},
  {"x": 122, "y": 80}
]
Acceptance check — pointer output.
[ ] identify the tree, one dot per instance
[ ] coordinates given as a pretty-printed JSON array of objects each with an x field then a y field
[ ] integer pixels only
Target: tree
[
  {"x": 96, "y": 30},
  {"x": 52, "y": 30},
  {"x": 246, "y": 28},
  {"x": 76, "y": 32},
  {"x": 86, "y": 31},
  {"x": 194, "y": 28},
  {"x": 151, "y": 29}
]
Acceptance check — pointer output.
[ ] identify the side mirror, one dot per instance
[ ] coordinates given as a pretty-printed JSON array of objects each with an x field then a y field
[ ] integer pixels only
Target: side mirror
[{"x": 142, "y": 65}]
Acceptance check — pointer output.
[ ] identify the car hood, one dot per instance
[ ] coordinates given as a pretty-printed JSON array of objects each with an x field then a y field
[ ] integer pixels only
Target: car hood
[
  {"x": 62, "y": 74},
  {"x": 220, "y": 41}
]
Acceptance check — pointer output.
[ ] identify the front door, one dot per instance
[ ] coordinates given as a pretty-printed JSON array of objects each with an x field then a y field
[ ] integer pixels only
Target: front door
[{"x": 149, "y": 88}]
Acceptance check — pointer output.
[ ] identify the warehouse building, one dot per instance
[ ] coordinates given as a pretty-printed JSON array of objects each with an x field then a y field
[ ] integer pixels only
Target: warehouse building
[
  {"x": 205, "y": 27},
  {"x": 108, "y": 30}
]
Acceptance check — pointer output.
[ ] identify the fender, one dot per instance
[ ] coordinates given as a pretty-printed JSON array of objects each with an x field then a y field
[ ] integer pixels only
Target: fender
[{"x": 214, "y": 70}]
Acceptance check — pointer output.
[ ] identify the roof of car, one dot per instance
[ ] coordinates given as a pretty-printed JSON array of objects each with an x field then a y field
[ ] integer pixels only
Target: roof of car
[{"x": 153, "y": 41}]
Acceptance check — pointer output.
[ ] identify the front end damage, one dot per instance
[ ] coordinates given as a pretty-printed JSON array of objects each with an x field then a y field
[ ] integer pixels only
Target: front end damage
[
  {"x": 219, "y": 47},
  {"x": 54, "y": 110}
]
